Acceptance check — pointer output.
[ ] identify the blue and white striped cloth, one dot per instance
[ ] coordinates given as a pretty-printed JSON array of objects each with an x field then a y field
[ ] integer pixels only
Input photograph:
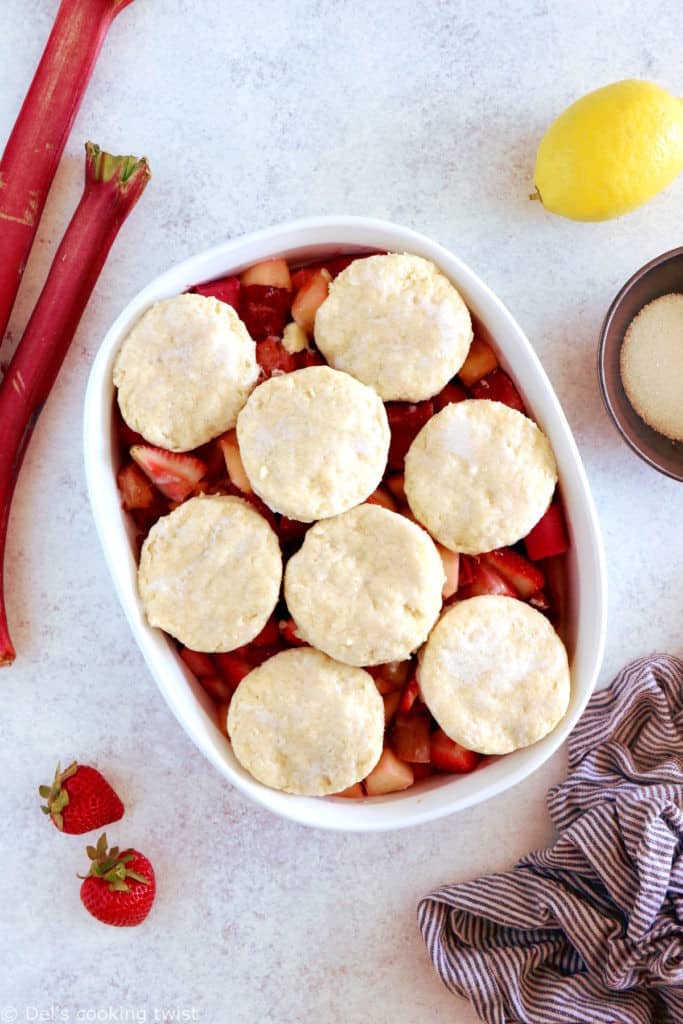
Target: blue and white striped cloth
[{"x": 591, "y": 930}]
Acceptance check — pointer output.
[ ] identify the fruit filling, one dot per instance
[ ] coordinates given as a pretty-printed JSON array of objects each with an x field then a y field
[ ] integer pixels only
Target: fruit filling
[{"x": 278, "y": 305}]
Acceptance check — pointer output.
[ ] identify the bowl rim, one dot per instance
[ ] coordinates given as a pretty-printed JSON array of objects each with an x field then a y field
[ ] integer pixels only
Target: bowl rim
[
  {"x": 346, "y": 233},
  {"x": 613, "y": 413}
]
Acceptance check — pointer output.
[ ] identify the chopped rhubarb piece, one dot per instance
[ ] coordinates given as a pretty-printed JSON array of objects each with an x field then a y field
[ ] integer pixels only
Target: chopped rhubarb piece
[
  {"x": 199, "y": 663},
  {"x": 498, "y": 387},
  {"x": 302, "y": 276},
  {"x": 225, "y": 289},
  {"x": 309, "y": 357},
  {"x": 390, "y": 775},
  {"x": 485, "y": 580},
  {"x": 222, "y": 710},
  {"x": 481, "y": 359},
  {"x": 411, "y": 692},
  {"x": 291, "y": 529},
  {"x": 288, "y": 632},
  {"x": 451, "y": 568},
  {"x": 273, "y": 357},
  {"x": 383, "y": 498},
  {"x": 264, "y": 310},
  {"x": 269, "y": 635},
  {"x": 274, "y": 273},
  {"x": 410, "y": 738},
  {"x": 173, "y": 473},
  {"x": 518, "y": 571},
  {"x": 453, "y": 392},
  {"x": 449, "y": 756},
  {"x": 233, "y": 461},
  {"x": 391, "y": 702},
  {"x": 354, "y": 792},
  {"x": 422, "y": 771},
  {"x": 549, "y": 535},
  {"x": 217, "y": 687},
  {"x": 540, "y": 601},
  {"x": 233, "y": 667},
  {"x": 396, "y": 483},
  {"x": 406, "y": 419},
  {"x": 309, "y": 298},
  {"x": 134, "y": 487},
  {"x": 465, "y": 571},
  {"x": 333, "y": 267}
]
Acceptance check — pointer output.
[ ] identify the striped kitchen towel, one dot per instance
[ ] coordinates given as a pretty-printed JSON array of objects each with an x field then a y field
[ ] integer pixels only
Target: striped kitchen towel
[{"x": 591, "y": 930}]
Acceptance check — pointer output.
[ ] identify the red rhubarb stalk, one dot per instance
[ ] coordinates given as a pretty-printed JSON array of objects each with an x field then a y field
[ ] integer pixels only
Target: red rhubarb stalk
[
  {"x": 113, "y": 184},
  {"x": 39, "y": 135}
]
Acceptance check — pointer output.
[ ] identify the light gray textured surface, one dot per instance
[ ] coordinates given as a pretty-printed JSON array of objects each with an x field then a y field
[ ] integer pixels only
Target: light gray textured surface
[{"x": 425, "y": 113}]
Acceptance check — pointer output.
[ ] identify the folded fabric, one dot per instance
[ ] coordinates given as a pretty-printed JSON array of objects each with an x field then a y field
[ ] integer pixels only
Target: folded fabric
[{"x": 591, "y": 930}]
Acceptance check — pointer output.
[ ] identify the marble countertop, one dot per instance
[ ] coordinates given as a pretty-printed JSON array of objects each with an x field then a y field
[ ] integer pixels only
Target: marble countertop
[{"x": 421, "y": 112}]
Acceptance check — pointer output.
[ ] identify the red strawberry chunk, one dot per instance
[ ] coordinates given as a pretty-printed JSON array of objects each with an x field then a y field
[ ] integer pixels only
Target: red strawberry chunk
[
  {"x": 259, "y": 505},
  {"x": 173, "y": 473},
  {"x": 134, "y": 487},
  {"x": 217, "y": 688},
  {"x": 549, "y": 535},
  {"x": 422, "y": 771},
  {"x": 233, "y": 667},
  {"x": 410, "y": 738},
  {"x": 518, "y": 571},
  {"x": 485, "y": 580},
  {"x": 264, "y": 310},
  {"x": 225, "y": 289},
  {"x": 127, "y": 437},
  {"x": 288, "y": 632},
  {"x": 449, "y": 756},
  {"x": 498, "y": 387},
  {"x": 481, "y": 359},
  {"x": 465, "y": 570},
  {"x": 411, "y": 692},
  {"x": 198, "y": 662},
  {"x": 406, "y": 419},
  {"x": 291, "y": 529},
  {"x": 273, "y": 357},
  {"x": 453, "y": 392},
  {"x": 273, "y": 272},
  {"x": 309, "y": 357},
  {"x": 269, "y": 635}
]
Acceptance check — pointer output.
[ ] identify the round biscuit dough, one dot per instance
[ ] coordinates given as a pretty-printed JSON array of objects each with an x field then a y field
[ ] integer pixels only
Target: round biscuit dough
[
  {"x": 184, "y": 372},
  {"x": 396, "y": 323},
  {"x": 210, "y": 573},
  {"x": 494, "y": 674},
  {"x": 479, "y": 475},
  {"x": 314, "y": 442},
  {"x": 365, "y": 587},
  {"x": 305, "y": 724}
]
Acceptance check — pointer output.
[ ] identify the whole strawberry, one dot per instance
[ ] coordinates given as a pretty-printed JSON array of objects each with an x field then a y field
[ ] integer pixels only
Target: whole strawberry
[
  {"x": 80, "y": 800},
  {"x": 120, "y": 886}
]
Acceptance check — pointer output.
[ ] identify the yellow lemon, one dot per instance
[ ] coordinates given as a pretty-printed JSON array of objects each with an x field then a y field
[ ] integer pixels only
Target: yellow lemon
[{"x": 610, "y": 151}]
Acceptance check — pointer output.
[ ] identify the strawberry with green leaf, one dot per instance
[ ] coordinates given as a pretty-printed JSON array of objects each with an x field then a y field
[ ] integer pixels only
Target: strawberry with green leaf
[
  {"x": 120, "y": 887},
  {"x": 80, "y": 799}
]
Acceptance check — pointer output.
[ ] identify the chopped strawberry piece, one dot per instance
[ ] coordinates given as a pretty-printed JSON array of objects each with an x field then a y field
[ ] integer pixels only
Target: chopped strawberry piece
[
  {"x": 411, "y": 692},
  {"x": 453, "y": 392},
  {"x": 222, "y": 715},
  {"x": 422, "y": 771},
  {"x": 127, "y": 437},
  {"x": 390, "y": 775},
  {"x": 354, "y": 792},
  {"x": 291, "y": 529},
  {"x": 269, "y": 635},
  {"x": 410, "y": 738},
  {"x": 309, "y": 357},
  {"x": 173, "y": 473},
  {"x": 498, "y": 387},
  {"x": 391, "y": 702},
  {"x": 518, "y": 571},
  {"x": 481, "y": 359},
  {"x": 233, "y": 667},
  {"x": 217, "y": 687},
  {"x": 233, "y": 461},
  {"x": 134, "y": 487},
  {"x": 449, "y": 756},
  {"x": 485, "y": 580},
  {"x": 451, "y": 568},
  {"x": 540, "y": 601},
  {"x": 273, "y": 357},
  {"x": 211, "y": 454},
  {"x": 465, "y": 571},
  {"x": 383, "y": 498},
  {"x": 288, "y": 632},
  {"x": 392, "y": 675},
  {"x": 396, "y": 483},
  {"x": 406, "y": 419},
  {"x": 555, "y": 570},
  {"x": 264, "y": 310},
  {"x": 225, "y": 289},
  {"x": 145, "y": 518},
  {"x": 309, "y": 298},
  {"x": 199, "y": 663},
  {"x": 273, "y": 272},
  {"x": 549, "y": 535}
]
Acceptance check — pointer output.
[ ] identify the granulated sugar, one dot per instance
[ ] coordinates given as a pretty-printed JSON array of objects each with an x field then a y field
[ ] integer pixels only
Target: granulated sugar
[{"x": 652, "y": 364}]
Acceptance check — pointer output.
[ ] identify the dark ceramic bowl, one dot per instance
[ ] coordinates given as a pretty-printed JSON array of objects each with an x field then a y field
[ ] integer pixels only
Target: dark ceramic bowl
[{"x": 658, "y": 277}]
